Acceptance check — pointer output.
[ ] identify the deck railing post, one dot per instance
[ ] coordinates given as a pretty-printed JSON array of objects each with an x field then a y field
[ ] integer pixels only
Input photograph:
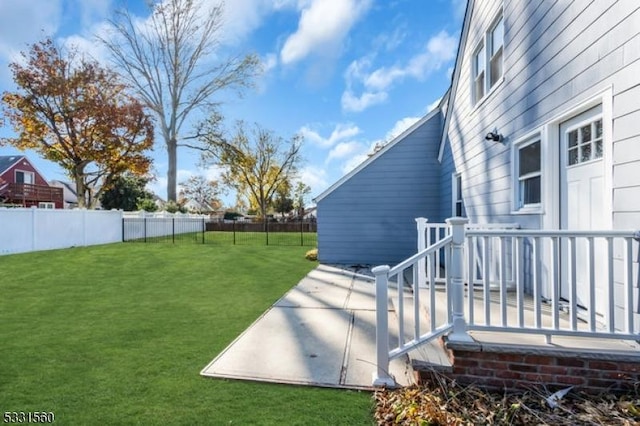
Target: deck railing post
[
  {"x": 459, "y": 332},
  {"x": 381, "y": 376},
  {"x": 421, "y": 223}
]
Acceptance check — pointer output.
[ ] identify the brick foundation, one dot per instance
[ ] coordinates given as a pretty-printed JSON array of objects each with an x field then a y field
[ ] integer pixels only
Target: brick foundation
[{"x": 515, "y": 367}]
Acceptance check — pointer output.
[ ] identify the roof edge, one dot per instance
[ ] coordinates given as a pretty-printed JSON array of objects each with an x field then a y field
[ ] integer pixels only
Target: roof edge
[{"x": 456, "y": 75}]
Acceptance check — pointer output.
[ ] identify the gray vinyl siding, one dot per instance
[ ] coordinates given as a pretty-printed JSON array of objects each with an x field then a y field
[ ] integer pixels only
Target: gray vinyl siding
[
  {"x": 370, "y": 218},
  {"x": 446, "y": 187},
  {"x": 557, "y": 54}
]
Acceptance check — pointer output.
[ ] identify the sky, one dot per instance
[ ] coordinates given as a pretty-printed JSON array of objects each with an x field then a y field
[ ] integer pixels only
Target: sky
[{"x": 344, "y": 74}]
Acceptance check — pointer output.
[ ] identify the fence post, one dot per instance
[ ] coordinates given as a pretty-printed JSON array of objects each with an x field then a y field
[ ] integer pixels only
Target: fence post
[
  {"x": 301, "y": 233},
  {"x": 266, "y": 228},
  {"x": 459, "y": 333},
  {"x": 123, "y": 229},
  {"x": 381, "y": 376},
  {"x": 204, "y": 229},
  {"x": 233, "y": 227},
  {"x": 34, "y": 221},
  {"x": 145, "y": 228},
  {"x": 421, "y": 223}
]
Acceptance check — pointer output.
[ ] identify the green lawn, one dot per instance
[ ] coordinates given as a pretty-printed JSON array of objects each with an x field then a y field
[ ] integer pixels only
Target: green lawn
[{"x": 118, "y": 334}]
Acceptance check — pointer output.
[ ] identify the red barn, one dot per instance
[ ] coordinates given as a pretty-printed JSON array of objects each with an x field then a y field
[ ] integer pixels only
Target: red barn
[{"x": 21, "y": 184}]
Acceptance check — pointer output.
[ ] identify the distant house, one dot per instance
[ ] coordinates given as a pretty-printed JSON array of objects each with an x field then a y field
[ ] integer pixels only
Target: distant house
[
  {"x": 21, "y": 184},
  {"x": 68, "y": 193}
]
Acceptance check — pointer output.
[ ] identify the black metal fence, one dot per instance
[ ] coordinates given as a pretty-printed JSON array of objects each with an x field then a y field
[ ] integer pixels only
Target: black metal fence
[{"x": 202, "y": 231}]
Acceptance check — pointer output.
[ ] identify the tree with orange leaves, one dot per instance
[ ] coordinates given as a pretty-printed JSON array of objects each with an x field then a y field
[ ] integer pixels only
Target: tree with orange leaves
[{"x": 76, "y": 113}]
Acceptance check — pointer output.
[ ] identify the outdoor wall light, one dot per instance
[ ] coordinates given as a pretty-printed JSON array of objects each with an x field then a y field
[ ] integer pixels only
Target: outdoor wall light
[{"x": 494, "y": 136}]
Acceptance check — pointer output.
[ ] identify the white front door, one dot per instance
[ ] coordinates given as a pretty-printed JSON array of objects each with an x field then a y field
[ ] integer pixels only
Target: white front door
[{"x": 582, "y": 203}]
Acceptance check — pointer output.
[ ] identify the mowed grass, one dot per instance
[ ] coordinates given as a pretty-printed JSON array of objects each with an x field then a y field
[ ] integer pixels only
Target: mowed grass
[{"x": 118, "y": 334}]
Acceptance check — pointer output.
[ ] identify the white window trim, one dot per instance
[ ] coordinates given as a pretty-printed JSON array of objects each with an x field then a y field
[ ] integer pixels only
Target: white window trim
[
  {"x": 475, "y": 75},
  {"x": 46, "y": 205},
  {"x": 25, "y": 172},
  {"x": 486, "y": 44},
  {"x": 516, "y": 209}
]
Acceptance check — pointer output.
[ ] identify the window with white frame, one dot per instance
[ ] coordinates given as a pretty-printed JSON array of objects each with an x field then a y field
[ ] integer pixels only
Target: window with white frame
[
  {"x": 478, "y": 73},
  {"x": 23, "y": 176},
  {"x": 487, "y": 66},
  {"x": 46, "y": 205},
  {"x": 496, "y": 44},
  {"x": 457, "y": 205},
  {"x": 528, "y": 170}
]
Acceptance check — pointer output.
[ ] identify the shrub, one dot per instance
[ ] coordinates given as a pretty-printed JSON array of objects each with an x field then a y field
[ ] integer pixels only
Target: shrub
[
  {"x": 312, "y": 254},
  {"x": 147, "y": 204}
]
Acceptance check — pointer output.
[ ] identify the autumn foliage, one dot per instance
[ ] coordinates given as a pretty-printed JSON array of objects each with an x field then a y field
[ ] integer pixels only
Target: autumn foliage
[{"x": 76, "y": 113}]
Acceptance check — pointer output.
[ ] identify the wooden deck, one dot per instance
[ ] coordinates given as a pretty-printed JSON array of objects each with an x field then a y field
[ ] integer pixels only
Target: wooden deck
[{"x": 28, "y": 194}]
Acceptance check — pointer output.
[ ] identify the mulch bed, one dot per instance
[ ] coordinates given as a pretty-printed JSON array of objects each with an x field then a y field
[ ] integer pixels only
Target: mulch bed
[{"x": 444, "y": 402}]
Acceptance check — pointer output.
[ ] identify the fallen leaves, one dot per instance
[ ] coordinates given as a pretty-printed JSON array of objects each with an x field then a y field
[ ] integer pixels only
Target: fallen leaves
[{"x": 444, "y": 402}]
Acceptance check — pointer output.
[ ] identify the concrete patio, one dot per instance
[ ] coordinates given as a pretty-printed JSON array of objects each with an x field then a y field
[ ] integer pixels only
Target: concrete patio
[{"x": 320, "y": 333}]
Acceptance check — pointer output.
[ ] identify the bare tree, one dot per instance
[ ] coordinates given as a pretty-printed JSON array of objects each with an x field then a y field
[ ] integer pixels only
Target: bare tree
[
  {"x": 204, "y": 193},
  {"x": 170, "y": 62}
]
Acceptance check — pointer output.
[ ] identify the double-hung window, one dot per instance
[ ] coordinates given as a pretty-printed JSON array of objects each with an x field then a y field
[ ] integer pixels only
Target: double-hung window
[
  {"x": 529, "y": 174},
  {"x": 478, "y": 73},
  {"x": 487, "y": 66},
  {"x": 496, "y": 44}
]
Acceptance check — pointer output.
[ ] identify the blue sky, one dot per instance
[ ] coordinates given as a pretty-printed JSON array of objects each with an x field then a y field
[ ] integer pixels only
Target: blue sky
[{"x": 346, "y": 74}]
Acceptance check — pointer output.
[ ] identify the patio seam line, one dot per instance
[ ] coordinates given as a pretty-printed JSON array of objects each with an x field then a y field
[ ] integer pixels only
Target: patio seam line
[{"x": 347, "y": 350}]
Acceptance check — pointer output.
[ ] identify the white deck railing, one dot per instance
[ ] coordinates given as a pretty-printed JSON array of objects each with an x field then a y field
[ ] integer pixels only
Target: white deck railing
[{"x": 575, "y": 283}]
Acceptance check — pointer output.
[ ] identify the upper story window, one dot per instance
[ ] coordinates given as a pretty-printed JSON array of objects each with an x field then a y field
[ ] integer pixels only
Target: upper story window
[
  {"x": 478, "y": 73},
  {"x": 487, "y": 60},
  {"x": 24, "y": 177},
  {"x": 496, "y": 39}
]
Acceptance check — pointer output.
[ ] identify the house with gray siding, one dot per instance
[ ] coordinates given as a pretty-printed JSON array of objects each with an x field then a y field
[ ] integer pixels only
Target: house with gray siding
[
  {"x": 557, "y": 83},
  {"x": 368, "y": 216},
  {"x": 540, "y": 154},
  {"x": 540, "y": 129}
]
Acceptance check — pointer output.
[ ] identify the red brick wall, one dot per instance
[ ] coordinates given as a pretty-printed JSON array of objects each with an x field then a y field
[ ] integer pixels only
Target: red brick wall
[{"x": 518, "y": 371}]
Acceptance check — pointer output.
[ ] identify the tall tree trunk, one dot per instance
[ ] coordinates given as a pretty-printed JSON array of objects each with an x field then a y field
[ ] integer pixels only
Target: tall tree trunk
[
  {"x": 172, "y": 171},
  {"x": 78, "y": 175}
]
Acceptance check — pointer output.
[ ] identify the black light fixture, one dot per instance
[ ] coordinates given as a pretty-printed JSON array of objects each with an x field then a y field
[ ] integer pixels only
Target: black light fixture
[{"x": 494, "y": 137}]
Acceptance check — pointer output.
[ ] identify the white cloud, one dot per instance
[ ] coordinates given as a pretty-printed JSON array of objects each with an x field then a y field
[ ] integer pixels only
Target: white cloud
[
  {"x": 375, "y": 84},
  {"x": 24, "y": 22},
  {"x": 345, "y": 149},
  {"x": 353, "y": 103},
  {"x": 323, "y": 26},
  {"x": 269, "y": 62},
  {"x": 341, "y": 132},
  {"x": 315, "y": 177},
  {"x": 400, "y": 126}
]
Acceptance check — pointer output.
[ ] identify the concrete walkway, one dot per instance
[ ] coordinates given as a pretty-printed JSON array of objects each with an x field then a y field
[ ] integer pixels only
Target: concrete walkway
[{"x": 320, "y": 333}]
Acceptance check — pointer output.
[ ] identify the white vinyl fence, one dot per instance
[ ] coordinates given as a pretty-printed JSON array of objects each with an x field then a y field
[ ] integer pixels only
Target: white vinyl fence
[
  {"x": 143, "y": 225},
  {"x": 32, "y": 229}
]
